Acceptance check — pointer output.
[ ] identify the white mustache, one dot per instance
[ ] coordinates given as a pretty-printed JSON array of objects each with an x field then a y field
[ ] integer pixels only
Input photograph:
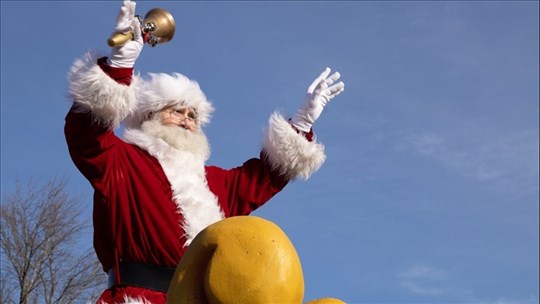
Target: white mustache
[{"x": 180, "y": 138}]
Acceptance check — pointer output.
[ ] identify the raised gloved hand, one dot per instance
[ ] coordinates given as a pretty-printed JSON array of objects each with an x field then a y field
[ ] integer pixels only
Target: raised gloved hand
[
  {"x": 124, "y": 56},
  {"x": 322, "y": 90}
]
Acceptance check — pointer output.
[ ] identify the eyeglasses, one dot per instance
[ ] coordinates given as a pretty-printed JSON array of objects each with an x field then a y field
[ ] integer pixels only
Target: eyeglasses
[{"x": 187, "y": 114}]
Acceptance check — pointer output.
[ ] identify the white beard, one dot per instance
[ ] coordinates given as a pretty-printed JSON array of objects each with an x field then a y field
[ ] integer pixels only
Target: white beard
[{"x": 179, "y": 138}]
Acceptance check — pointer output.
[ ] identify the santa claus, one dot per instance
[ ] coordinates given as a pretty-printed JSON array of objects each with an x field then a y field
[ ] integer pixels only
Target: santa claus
[{"x": 153, "y": 192}]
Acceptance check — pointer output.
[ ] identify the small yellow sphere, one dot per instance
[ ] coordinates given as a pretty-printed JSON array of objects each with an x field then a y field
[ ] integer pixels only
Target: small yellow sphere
[
  {"x": 326, "y": 301},
  {"x": 243, "y": 259}
]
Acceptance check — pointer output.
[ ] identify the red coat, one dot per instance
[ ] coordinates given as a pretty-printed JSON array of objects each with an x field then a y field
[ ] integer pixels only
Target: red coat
[
  {"x": 135, "y": 218},
  {"x": 135, "y": 213}
]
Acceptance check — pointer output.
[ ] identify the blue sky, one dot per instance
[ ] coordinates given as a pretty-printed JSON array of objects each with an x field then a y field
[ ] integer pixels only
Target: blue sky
[{"x": 430, "y": 191}]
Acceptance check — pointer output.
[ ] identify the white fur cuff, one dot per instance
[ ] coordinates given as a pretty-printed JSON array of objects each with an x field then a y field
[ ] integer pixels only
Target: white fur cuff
[
  {"x": 93, "y": 90},
  {"x": 290, "y": 153}
]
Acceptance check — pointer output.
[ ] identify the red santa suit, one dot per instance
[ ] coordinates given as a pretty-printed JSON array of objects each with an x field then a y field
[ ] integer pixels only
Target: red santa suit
[{"x": 151, "y": 199}]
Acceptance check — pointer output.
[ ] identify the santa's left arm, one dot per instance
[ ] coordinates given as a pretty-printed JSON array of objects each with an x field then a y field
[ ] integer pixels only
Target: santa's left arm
[
  {"x": 289, "y": 152},
  {"x": 289, "y": 146}
]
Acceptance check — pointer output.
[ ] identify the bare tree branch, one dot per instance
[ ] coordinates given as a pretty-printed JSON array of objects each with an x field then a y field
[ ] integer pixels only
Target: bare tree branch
[{"x": 41, "y": 262}]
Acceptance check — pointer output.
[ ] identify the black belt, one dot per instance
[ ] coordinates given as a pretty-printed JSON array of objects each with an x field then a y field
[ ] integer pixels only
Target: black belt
[{"x": 147, "y": 276}]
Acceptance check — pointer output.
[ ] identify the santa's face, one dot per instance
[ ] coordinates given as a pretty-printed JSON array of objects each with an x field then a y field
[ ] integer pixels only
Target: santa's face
[
  {"x": 179, "y": 116},
  {"x": 183, "y": 139}
]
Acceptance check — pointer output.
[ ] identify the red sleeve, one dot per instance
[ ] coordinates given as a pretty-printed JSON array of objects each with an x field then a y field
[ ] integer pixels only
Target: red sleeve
[
  {"x": 121, "y": 75},
  {"x": 90, "y": 145},
  {"x": 243, "y": 189}
]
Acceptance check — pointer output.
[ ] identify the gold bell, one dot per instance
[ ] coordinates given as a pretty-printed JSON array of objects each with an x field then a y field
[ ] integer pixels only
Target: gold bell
[{"x": 158, "y": 26}]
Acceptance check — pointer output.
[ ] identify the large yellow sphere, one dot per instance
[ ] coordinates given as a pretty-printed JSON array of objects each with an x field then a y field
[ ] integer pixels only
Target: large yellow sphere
[{"x": 244, "y": 259}]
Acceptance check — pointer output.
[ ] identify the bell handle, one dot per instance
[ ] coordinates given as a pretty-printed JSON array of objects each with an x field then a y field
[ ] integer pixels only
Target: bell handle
[{"x": 119, "y": 39}]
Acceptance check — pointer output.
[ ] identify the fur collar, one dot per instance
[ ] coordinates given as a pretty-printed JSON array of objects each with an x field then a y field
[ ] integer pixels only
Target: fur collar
[{"x": 186, "y": 174}]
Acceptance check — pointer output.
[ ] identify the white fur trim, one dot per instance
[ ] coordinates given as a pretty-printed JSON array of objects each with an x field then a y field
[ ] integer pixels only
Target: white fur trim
[
  {"x": 291, "y": 153},
  {"x": 93, "y": 90},
  {"x": 187, "y": 176},
  {"x": 162, "y": 90}
]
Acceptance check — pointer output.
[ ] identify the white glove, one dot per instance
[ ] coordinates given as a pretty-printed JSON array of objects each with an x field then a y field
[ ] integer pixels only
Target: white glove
[
  {"x": 322, "y": 90},
  {"x": 124, "y": 56}
]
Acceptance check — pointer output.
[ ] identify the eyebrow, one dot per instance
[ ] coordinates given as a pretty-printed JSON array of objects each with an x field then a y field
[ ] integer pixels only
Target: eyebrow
[{"x": 190, "y": 111}]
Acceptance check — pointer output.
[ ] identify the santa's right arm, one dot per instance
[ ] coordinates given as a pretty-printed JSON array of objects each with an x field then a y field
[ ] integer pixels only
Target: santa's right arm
[
  {"x": 103, "y": 92},
  {"x": 104, "y": 86}
]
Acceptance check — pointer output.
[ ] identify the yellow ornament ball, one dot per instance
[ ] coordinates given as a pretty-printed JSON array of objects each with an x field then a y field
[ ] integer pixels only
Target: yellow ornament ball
[
  {"x": 326, "y": 301},
  {"x": 243, "y": 259}
]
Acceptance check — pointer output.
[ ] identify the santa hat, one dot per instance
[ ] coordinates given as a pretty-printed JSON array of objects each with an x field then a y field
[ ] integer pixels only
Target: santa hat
[{"x": 162, "y": 90}]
